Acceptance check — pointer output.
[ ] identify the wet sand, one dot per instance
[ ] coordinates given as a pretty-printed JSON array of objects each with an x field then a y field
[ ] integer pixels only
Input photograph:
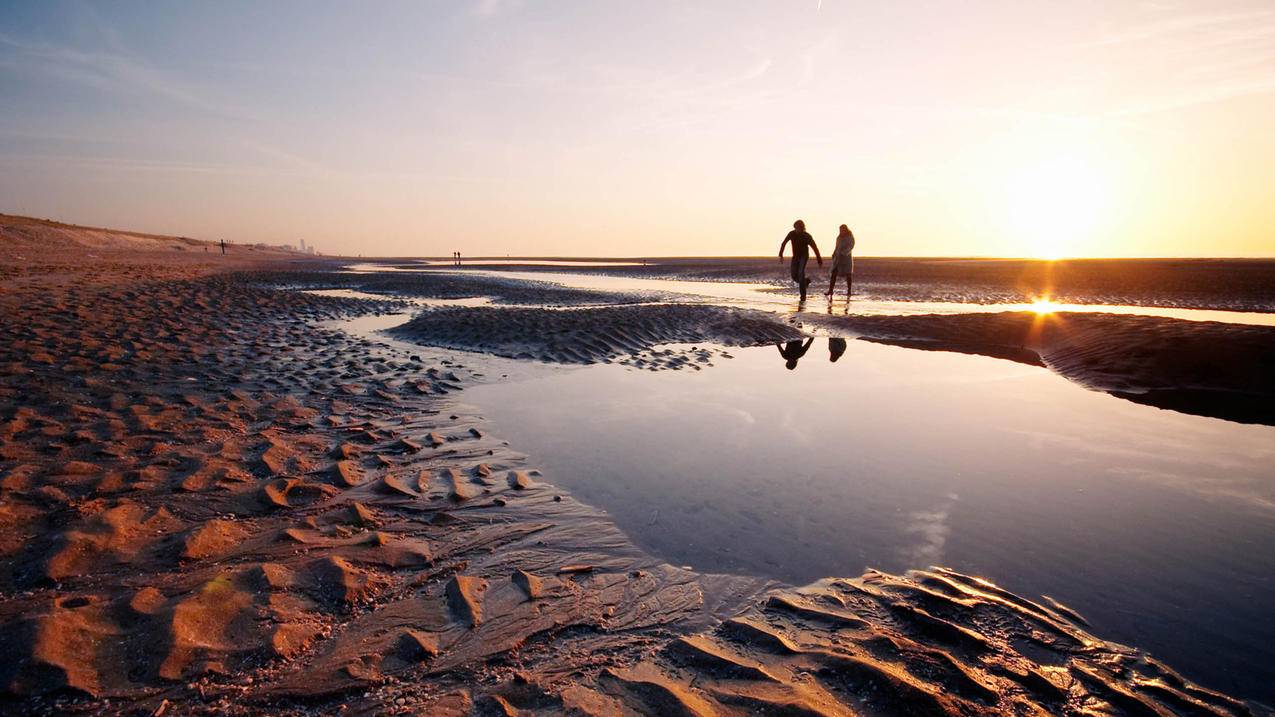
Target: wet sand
[
  {"x": 1222, "y": 284},
  {"x": 213, "y": 506},
  {"x": 1199, "y": 367},
  {"x": 1203, "y": 368}
]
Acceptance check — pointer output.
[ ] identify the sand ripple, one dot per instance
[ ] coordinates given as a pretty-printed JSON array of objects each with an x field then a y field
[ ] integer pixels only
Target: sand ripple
[{"x": 592, "y": 335}]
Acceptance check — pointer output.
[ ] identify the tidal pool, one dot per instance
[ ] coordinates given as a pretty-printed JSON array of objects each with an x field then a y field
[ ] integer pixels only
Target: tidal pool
[{"x": 1158, "y": 527}]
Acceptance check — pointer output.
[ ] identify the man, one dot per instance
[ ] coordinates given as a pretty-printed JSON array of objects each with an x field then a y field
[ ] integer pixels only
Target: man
[
  {"x": 802, "y": 243},
  {"x": 223, "y": 246},
  {"x": 793, "y": 351}
]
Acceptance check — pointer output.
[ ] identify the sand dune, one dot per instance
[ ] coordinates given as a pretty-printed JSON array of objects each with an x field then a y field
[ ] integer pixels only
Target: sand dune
[{"x": 38, "y": 237}]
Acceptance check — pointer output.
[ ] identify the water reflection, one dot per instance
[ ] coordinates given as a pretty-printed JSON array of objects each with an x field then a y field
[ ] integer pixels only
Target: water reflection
[
  {"x": 1156, "y": 525},
  {"x": 793, "y": 351},
  {"x": 836, "y": 347}
]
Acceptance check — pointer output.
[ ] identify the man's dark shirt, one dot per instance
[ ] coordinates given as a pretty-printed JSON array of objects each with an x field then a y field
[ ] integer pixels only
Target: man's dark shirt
[{"x": 801, "y": 243}]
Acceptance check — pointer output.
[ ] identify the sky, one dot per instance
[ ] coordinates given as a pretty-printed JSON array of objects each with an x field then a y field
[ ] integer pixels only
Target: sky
[{"x": 598, "y": 128}]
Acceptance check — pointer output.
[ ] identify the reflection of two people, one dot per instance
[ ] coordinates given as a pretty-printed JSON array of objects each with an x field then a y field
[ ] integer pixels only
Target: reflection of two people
[{"x": 792, "y": 351}]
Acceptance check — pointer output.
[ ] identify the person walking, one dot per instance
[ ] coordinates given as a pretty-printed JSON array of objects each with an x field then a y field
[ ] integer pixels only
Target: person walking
[
  {"x": 842, "y": 261},
  {"x": 802, "y": 243},
  {"x": 223, "y": 246}
]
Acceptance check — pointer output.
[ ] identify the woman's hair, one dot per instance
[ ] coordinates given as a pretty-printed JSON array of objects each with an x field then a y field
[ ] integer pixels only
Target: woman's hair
[{"x": 844, "y": 230}]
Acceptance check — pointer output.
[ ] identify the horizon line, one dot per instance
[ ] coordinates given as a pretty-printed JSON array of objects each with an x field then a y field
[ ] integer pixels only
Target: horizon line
[{"x": 404, "y": 257}]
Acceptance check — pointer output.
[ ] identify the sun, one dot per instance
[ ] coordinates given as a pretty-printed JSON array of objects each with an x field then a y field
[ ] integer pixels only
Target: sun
[
  {"x": 1053, "y": 206},
  {"x": 1043, "y": 306}
]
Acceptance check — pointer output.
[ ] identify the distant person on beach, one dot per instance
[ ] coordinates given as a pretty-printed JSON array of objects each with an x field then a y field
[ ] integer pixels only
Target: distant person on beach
[
  {"x": 223, "y": 246},
  {"x": 842, "y": 261},
  {"x": 793, "y": 351},
  {"x": 802, "y": 243}
]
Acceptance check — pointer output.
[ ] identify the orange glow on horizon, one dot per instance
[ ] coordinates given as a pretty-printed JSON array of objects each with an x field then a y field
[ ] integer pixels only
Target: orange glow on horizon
[{"x": 1044, "y": 306}]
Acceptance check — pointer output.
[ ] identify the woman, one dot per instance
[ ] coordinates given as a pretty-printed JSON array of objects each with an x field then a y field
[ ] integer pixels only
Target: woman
[{"x": 842, "y": 260}]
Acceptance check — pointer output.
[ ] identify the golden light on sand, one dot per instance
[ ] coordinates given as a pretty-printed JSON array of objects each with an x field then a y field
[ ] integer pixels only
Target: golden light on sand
[{"x": 1054, "y": 205}]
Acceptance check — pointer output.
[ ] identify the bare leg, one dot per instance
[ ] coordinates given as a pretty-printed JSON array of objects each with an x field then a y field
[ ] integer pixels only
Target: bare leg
[
  {"x": 832, "y": 282},
  {"x": 849, "y": 290}
]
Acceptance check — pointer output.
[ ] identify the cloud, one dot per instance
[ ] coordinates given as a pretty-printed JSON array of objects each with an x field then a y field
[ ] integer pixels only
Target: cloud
[
  {"x": 294, "y": 161},
  {"x": 1189, "y": 25},
  {"x": 111, "y": 72},
  {"x": 487, "y": 9},
  {"x": 1198, "y": 96},
  {"x": 932, "y": 531}
]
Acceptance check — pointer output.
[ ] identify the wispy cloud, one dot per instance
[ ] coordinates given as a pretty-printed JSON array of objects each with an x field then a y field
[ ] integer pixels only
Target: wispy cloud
[
  {"x": 486, "y": 9},
  {"x": 1186, "y": 25},
  {"x": 290, "y": 159},
  {"x": 1198, "y": 96},
  {"x": 1200, "y": 58},
  {"x": 112, "y": 71},
  {"x": 931, "y": 529},
  {"x": 122, "y": 164},
  {"x": 115, "y": 165}
]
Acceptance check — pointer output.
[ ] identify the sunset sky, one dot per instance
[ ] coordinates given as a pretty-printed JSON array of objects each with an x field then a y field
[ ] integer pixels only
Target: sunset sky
[{"x": 1026, "y": 128}]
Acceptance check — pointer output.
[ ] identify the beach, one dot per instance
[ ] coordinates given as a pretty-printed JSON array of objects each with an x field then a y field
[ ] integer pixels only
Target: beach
[{"x": 252, "y": 482}]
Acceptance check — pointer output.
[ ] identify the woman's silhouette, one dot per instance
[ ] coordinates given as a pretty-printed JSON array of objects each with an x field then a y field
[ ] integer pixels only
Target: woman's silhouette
[
  {"x": 842, "y": 260},
  {"x": 836, "y": 347}
]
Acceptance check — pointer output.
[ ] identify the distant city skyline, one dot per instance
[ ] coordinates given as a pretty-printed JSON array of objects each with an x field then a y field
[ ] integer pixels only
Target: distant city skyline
[{"x": 507, "y": 127}]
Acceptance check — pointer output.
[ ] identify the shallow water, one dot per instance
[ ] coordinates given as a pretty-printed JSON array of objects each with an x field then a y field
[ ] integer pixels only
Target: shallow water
[
  {"x": 413, "y": 300},
  {"x": 771, "y": 298},
  {"x": 765, "y": 297},
  {"x": 1157, "y": 526},
  {"x": 533, "y": 262}
]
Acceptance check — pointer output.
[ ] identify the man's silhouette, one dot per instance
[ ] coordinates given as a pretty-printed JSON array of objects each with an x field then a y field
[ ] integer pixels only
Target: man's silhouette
[
  {"x": 793, "y": 351},
  {"x": 802, "y": 243}
]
